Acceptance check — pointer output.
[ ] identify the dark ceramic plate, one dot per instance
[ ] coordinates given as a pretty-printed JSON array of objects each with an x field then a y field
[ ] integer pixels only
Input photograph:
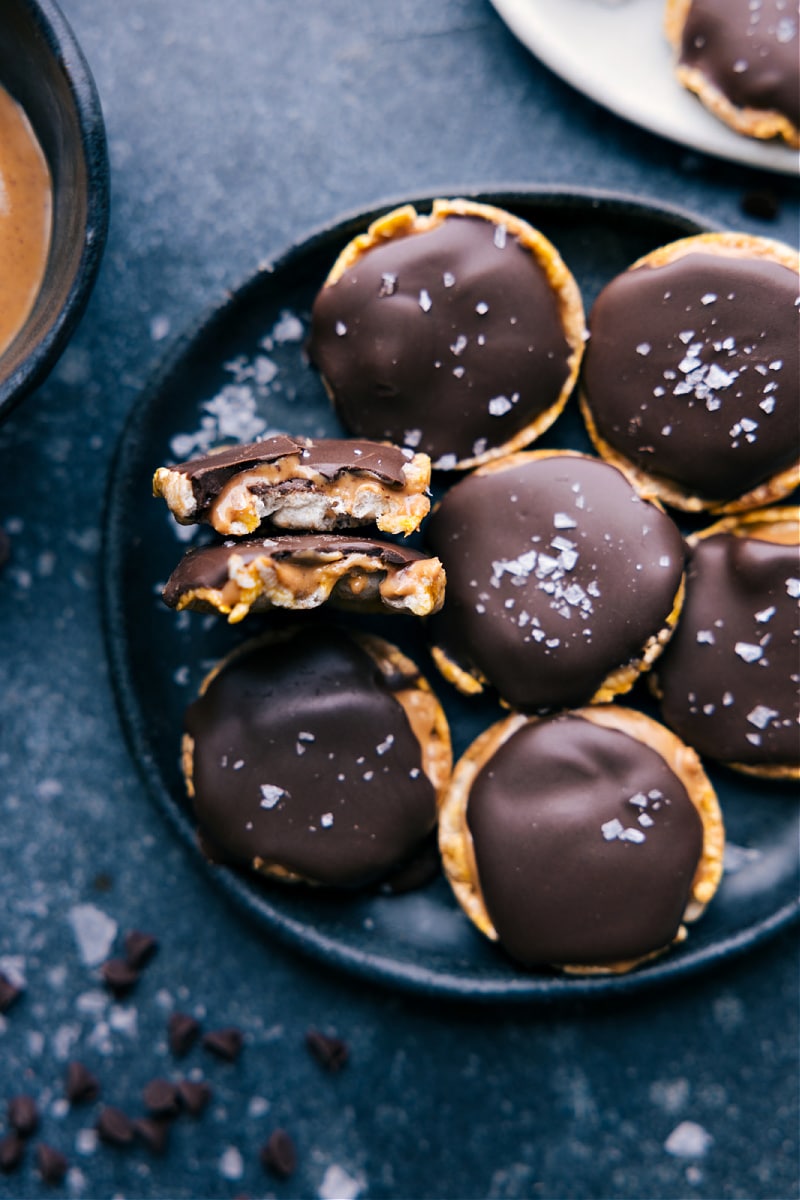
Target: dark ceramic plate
[{"x": 244, "y": 372}]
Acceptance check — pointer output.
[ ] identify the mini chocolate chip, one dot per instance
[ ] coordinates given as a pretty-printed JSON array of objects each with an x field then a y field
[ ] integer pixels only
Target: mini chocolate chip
[
  {"x": 23, "y": 1115},
  {"x": 103, "y": 882},
  {"x": 278, "y": 1154},
  {"x": 8, "y": 993},
  {"x": 139, "y": 948},
  {"x": 114, "y": 1126},
  {"x": 194, "y": 1096},
  {"x": 12, "y": 1150},
  {"x": 52, "y": 1163},
  {"x": 153, "y": 1132},
  {"x": 330, "y": 1052},
  {"x": 225, "y": 1043},
  {"x": 118, "y": 976},
  {"x": 763, "y": 204},
  {"x": 5, "y": 547},
  {"x": 160, "y": 1098},
  {"x": 81, "y": 1085},
  {"x": 183, "y": 1031}
]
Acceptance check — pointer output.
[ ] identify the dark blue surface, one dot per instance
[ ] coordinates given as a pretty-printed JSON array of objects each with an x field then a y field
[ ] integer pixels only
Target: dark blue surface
[{"x": 233, "y": 130}]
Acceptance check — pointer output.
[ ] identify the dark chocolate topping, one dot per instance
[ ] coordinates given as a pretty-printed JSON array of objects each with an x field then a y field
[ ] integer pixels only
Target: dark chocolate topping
[
  {"x": 749, "y": 50},
  {"x": 303, "y": 757},
  {"x": 557, "y": 573},
  {"x": 730, "y": 675},
  {"x": 449, "y": 341},
  {"x": 207, "y": 566},
  {"x": 586, "y": 844},
  {"x": 329, "y": 456},
  {"x": 692, "y": 371}
]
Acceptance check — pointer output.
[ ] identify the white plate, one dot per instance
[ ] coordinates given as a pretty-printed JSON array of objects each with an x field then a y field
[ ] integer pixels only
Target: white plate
[{"x": 615, "y": 52}]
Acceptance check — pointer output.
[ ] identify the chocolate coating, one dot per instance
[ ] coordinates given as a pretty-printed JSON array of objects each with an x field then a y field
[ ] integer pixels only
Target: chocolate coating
[
  {"x": 730, "y": 675},
  {"x": 305, "y": 759},
  {"x": 692, "y": 371},
  {"x": 748, "y": 50},
  {"x": 449, "y": 340},
  {"x": 557, "y": 573},
  {"x": 207, "y": 566},
  {"x": 328, "y": 456},
  {"x": 586, "y": 844}
]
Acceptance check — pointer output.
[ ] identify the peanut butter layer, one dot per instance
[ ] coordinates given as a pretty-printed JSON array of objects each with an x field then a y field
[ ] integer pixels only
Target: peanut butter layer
[
  {"x": 299, "y": 484},
  {"x": 303, "y": 572}
]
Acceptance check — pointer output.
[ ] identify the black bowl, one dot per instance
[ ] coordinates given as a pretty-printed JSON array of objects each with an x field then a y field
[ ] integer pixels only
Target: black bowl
[{"x": 43, "y": 68}]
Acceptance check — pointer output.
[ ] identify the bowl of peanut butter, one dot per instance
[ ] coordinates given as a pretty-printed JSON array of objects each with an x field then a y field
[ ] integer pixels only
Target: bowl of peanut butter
[{"x": 53, "y": 191}]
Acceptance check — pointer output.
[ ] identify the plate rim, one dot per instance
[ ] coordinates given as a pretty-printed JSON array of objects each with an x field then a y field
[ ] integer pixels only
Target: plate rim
[{"x": 236, "y": 887}]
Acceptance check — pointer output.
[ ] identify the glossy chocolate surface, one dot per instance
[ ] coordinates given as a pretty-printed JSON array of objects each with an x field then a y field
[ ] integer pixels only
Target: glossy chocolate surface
[
  {"x": 557, "y": 573},
  {"x": 749, "y": 50},
  {"x": 207, "y": 566},
  {"x": 692, "y": 370},
  {"x": 730, "y": 675},
  {"x": 328, "y": 456},
  {"x": 448, "y": 341},
  {"x": 586, "y": 844},
  {"x": 304, "y": 758}
]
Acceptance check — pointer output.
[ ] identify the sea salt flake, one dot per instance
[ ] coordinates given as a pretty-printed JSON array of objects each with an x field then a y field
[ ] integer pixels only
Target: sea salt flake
[
  {"x": 644, "y": 348},
  {"x": 748, "y": 652},
  {"x": 754, "y": 738},
  {"x": 388, "y": 285},
  {"x": 448, "y": 279},
  {"x": 341, "y": 328},
  {"x": 612, "y": 829},
  {"x": 705, "y": 636},
  {"x": 326, "y": 820},
  {"x": 500, "y": 233},
  {"x": 761, "y": 716},
  {"x": 425, "y": 302},
  {"x": 446, "y": 463},
  {"x": 337, "y": 1184},
  {"x": 686, "y": 336},
  {"x": 709, "y": 298},
  {"x": 231, "y": 1164},
  {"x": 767, "y": 405},
  {"x": 766, "y": 614},
  {"x": 459, "y": 345},
  {"x": 499, "y": 406},
  {"x": 639, "y": 800},
  {"x": 645, "y": 819},
  {"x": 386, "y": 744},
  {"x": 793, "y": 588},
  {"x": 481, "y": 308},
  {"x": 271, "y": 795},
  {"x": 94, "y": 932},
  {"x": 688, "y": 1140},
  {"x": 727, "y": 699},
  {"x": 632, "y": 835},
  {"x": 412, "y": 437},
  {"x": 564, "y": 521}
]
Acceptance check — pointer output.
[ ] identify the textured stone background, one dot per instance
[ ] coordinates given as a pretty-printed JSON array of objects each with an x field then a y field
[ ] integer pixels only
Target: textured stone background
[{"x": 234, "y": 128}]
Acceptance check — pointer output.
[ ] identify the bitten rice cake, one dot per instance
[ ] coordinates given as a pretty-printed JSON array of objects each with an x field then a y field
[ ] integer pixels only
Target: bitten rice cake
[
  {"x": 563, "y": 583},
  {"x": 691, "y": 380},
  {"x": 316, "y": 755},
  {"x": 299, "y": 483},
  {"x": 728, "y": 683},
  {"x": 582, "y": 841},
  {"x": 458, "y": 333},
  {"x": 742, "y": 59},
  {"x": 304, "y": 571}
]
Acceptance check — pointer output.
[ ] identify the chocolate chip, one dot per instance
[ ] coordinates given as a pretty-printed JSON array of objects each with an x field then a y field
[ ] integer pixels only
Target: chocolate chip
[
  {"x": 8, "y": 993},
  {"x": 278, "y": 1154},
  {"x": 5, "y": 547},
  {"x": 194, "y": 1096},
  {"x": 23, "y": 1115},
  {"x": 139, "y": 948},
  {"x": 183, "y": 1031},
  {"x": 763, "y": 204},
  {"x": 118, "y": 976},
  {"x": 153, "y": 1132},
  {"x": 330, "y": 1052},
  {"x": 81, "y": 1085},
  {"x": 115, "y": 1127},
  {"x": 52, "y": 1163},
  {"x": 12, "y": 1150},
  {"x": 160, "y": 1098},
  {"x": 102, "y": 882},
  {"x": 225, "y": 1043}
]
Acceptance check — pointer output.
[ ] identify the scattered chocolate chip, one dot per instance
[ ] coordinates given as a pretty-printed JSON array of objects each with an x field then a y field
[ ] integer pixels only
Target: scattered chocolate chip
[
  {"x": 81, "y": 1085},
  {"x": 183, "y": 1031},
  {"x": 115, "y": 1127},
  {"x": 153, "y": 1132},
  {"x": 139, "y": 948},
  {"x": 52, "y": 1163},
  {"x": 12, "y": 1149},
  {"x": 102, "y": 882},
  {"x": 330, "y": 1052},
  {"x": 118, "y": 976},
  {"x": 763, "y": 204},
  {"x": 23, "y": 1115},
  {"x": 160, "y": 1098},
  {"x": 278, "y": 1154},
  {"x": 9, "y": 992},
  {"x": 194, "y": 1096},
  {"x": 225, "y": 1043},
  {"x": 5, "y": 547}
]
